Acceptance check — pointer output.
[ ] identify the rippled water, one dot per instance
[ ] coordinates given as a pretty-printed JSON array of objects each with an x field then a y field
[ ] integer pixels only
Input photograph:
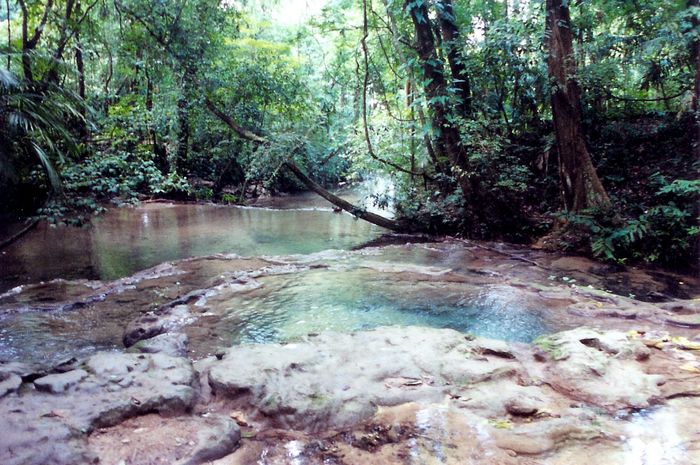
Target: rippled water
[{"x": 351, "y": 291}]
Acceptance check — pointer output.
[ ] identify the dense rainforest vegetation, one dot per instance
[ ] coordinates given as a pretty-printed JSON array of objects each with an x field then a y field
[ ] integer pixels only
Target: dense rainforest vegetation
[{"x": 573, "y": 124}]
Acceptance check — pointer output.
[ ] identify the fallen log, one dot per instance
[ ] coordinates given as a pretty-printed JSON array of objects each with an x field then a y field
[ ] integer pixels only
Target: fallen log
[
  {"x": 312, "y": 185},
  {"x": 342, "y": 203}
]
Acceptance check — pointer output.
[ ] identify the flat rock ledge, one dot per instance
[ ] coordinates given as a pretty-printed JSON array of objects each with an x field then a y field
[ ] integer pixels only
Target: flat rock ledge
[{"x": 388, "y": 396}]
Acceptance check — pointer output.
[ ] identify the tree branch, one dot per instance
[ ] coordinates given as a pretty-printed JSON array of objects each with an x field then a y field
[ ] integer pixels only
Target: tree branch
[{"x": 370, "y": 148}]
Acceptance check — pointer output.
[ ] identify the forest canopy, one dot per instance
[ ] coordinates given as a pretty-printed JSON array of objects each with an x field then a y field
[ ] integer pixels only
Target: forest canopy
[{"x": 573, "y": 124}]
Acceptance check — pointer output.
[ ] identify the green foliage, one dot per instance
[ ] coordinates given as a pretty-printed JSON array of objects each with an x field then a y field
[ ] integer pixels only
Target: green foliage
[
  {"x": 229, "y": 198},
  {"x": 665, "y": 233},
  {"x": 121, "y": 175},
  {"x": 342, "y": 114},
  {"x": 34, "y": 128}
]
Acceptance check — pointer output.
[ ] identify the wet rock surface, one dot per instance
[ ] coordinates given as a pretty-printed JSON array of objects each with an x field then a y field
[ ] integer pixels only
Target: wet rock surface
[
  {"x": 416, "y": 395},
  {"x": 174, "y": 344},
  {"x": 51, "y": 425},
  {"x": 326, "y": 382},
  {"x": 153, "y": 439},
  {"x": 626, "y": 389},
  {"x": 395, "y": 395}
]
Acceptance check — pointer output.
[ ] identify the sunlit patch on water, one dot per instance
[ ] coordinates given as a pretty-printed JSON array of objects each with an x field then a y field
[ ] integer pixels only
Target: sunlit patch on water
[{"x": 652, "y": 438}]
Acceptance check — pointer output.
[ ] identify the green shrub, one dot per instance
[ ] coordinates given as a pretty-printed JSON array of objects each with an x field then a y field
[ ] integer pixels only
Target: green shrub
[{"x": 666, "y": 233}]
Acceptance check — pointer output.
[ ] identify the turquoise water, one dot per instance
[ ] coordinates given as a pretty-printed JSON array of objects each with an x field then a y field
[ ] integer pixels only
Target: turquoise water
[{"x": 289, "y": 307}]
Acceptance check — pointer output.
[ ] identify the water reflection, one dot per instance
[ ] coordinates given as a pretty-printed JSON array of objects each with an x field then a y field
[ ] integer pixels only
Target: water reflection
[{"x": 128, "y": 240}]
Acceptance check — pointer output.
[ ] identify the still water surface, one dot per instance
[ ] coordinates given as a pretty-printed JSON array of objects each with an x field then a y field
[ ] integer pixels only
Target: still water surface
[
  {"x": 352, "y": 292},
  {"x": 127, "y": 240}
]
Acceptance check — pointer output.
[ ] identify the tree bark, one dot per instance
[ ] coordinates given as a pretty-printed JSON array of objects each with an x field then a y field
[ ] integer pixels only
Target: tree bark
[
  {"x": 581, "y": 187},
  {"x": 411, "y": 84},
  {"x": 342, "y": 203},
  {"x": 448, "y": 139},
  {"x": 9, "y": 36},
  {"x": 30, "y": 43},
  {"x": 365, "y": 85},
  {"x": 80, "y": 65},
  {"x": 183, "y": 135},
  {"x": 695, "y": 54},
  {"x": 70, "y": 27},
  {"x": 460, "y": 77}
]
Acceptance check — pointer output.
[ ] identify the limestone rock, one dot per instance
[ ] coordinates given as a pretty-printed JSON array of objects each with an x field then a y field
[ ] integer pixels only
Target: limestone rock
[
  {"x": 184, "y": 440},
  {"x": 153, "y": 324},
  {"x": 44, "y": 427},
  {"x": 60, "y": 382},
  {"x": 592, "y": 366},
  {"x": 9, "y": 382},
  {"x": 174, "y": 344},
  {"x": 334, "y": 380}
]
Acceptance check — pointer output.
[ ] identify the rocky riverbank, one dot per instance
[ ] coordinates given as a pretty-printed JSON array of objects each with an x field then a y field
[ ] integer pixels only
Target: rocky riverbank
[
  {"x": 391, "y": 395},
  {"x": 151, "y": 380}
]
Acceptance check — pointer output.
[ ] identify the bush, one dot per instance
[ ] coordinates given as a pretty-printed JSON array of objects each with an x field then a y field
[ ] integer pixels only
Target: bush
[{"x": 666, "y": 233}]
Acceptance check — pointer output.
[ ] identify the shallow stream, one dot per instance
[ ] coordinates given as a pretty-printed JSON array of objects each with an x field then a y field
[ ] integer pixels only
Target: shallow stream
[{"x": 281, "y": 274}]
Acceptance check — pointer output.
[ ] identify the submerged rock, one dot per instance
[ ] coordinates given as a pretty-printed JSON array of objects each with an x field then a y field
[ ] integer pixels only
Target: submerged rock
[{"x": 156, "y": 323}]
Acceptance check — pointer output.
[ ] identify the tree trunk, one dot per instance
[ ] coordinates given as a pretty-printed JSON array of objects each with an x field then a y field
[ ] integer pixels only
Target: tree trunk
[
  {"x": 695, "y": 53},
  {"x": 63, "y": 39},
  {"x": 581, "y": 187},
  {"x": 342, "y": 203},
  {"x": 30, "y": 43},
  {"x": 410, "y": 84},
  {"x": 448, "y": 139},
  {"x": 80, "y": 65},
  {"x": 450, "y": 35},
  {"x": 9, "y": 36},
  {"x": 108, "y": 80},
  {"x": 183, "y": 124}
]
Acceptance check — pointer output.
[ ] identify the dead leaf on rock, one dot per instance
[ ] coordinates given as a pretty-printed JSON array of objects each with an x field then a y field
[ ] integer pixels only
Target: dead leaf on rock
[
  {"x": 239, "y": 417},
  {"x": 689, "y": 367}
]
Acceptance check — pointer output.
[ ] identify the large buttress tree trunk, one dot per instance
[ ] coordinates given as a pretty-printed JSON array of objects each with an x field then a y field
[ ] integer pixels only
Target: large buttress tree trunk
[{"x": 581, "y": 187}]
